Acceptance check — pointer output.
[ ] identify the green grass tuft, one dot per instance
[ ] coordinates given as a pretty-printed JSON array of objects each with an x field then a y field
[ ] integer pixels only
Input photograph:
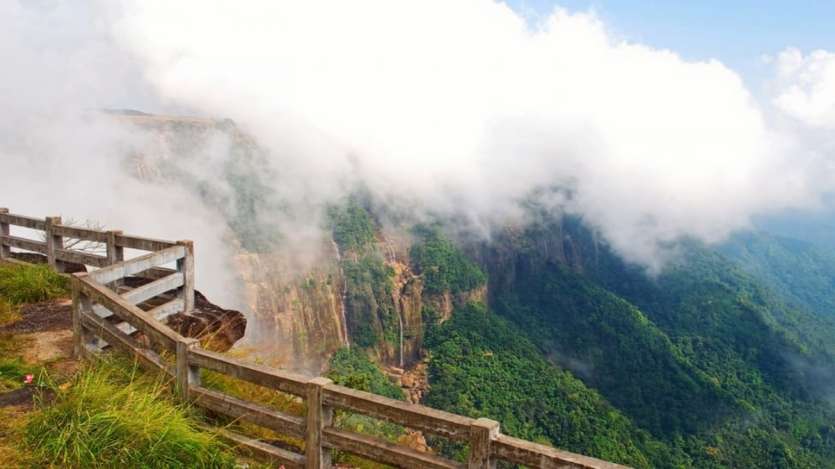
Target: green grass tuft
[
  {"x": 30, "y": 284},
  {"x": 12, "y": 373},
  {"x": 114, "y": 416}
]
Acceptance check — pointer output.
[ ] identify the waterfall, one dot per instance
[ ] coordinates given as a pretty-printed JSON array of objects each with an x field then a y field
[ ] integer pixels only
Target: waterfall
[
  {"x": 343, "y": 296},
  {"x": 400, "y": 319}
]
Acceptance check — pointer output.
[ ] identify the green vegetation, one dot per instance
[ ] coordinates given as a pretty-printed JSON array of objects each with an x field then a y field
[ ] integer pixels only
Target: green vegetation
[
  {"x": 18, "y": 285},
  {"x": 30, "y": 284},
  {"x": 800, "y": 272},
  {"x": 372, "y": 316},
  {"x": 443, "y": 266},
  {"x": 12, "y": 373},
  {"x": 703, "y": 357},
  {"x": 353, "y": 227},
  {"x": 370, "y": 311},
  {"x": 352, "y": 368},
  {"x": 483, "y": 366},
  {"x": 608, "y": 342},
  {"x": 111, "y": 415},
  {"x": 8, "y": 312}
]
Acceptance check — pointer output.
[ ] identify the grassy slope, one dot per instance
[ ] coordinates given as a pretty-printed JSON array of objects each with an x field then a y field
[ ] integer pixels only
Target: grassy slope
[
  {"x": 113, "y": 415},
  {"x": 109, "y": 414}
]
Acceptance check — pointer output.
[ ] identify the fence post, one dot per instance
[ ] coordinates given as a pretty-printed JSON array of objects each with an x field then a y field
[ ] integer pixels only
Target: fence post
[
  {"x": 5, "y": 251},
  {"x": 53, "y": 242},
  {"x": 187, "y": 375},
  {"x": 115, "y": 253},
  {"x": 482, "y": 433},
  {"x": 186, "y": 267},
  {"x": 319, "y": 416},
  {"x": 80, "y": 304}
]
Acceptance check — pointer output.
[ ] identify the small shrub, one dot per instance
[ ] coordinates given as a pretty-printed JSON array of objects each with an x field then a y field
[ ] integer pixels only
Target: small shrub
[
  {"x": 352, "y": 368},
  {"x": 113, "y": 416},
  {"x": 30, "y": 284},
  {"x": 443, "y": 266},
  {"x": 353, "y": 227}
]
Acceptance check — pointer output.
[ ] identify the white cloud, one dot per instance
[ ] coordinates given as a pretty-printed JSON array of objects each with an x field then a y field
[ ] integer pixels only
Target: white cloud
[
  {"x": 458, "y": 107},
  {"x": 806, "y": 86},
  {"x": 59, "y": 157},
  {"x": 463, "y": 107}
]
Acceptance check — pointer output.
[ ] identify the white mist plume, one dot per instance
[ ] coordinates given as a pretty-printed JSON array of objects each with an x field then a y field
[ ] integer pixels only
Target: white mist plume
[
  {"x": 464, "y": 107},
  {"x": 60, "y": 156},
  {"x": 455, "y": 107}
]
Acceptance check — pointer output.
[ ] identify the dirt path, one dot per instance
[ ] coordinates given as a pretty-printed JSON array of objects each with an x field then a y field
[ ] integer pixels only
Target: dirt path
[
  {"x": 50, "y": 315},
  {"x": 42, "y": 337}
]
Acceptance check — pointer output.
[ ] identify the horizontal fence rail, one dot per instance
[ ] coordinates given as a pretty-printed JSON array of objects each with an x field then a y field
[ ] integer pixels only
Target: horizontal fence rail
[{"x": 106, "y": 315}]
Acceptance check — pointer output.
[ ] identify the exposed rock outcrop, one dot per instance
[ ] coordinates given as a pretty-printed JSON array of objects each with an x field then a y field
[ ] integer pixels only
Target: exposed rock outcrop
[
  {"x": 217, "y": 328},
  {"x": 297, "y": 316}
]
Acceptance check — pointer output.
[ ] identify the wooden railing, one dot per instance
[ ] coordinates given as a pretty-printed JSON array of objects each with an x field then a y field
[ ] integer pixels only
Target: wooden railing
[{"x": 104, "y": 317}]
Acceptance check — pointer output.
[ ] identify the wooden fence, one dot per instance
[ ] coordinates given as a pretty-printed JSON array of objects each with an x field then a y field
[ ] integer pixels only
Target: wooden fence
[{"x": 107, "y": 314}]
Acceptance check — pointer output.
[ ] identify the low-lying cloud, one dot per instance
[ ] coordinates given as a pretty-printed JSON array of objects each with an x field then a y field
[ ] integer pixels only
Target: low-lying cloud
[{"x": 460, "y": 108}]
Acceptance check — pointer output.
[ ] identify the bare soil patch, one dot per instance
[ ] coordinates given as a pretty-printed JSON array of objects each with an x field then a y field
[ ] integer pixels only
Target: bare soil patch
[{"x": 52, "y": 315}]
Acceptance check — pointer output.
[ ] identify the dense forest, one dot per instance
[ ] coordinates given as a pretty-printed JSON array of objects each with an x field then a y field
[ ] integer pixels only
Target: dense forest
[{"x": 723, "y": 359}]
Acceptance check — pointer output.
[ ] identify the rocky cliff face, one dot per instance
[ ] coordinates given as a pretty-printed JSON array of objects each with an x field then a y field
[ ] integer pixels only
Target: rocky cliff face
[
  {"x": 368, "y": 296},
  {"x": 296, "y": 317},
  {"x": 305, "y": 318},
  {"x": 516, "y": 251}
]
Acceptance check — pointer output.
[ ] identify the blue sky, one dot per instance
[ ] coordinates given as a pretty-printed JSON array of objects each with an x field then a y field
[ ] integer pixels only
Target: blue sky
[{"x": 737, "y": 32}]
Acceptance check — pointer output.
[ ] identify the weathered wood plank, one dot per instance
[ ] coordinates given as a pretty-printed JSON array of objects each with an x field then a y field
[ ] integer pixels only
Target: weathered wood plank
[
  {"x": 535, "y": 455},
  {"x": 24, "y": 221},
  {"x": 413, "y": 416},
  {"x": 105, "y": 313},
  {"x": 129, "y": 313},
  {"x": 150, "y": 290},
  {"x": 143, "y": 244},
  {"x": 262, "y": 451},
  {"x": 80, "y": 233},
  {"x": 162, "y": 311},
  {"x": 138, "y": 264},
  {"x": 247, "y": 411},
  {"x": 23, "y": 243},
  {"x": 383, "y": 451},
  {"x": 113, "y": 336},
  {"x": 268, "y": 377},
  {"x": 78, "y": 257}
]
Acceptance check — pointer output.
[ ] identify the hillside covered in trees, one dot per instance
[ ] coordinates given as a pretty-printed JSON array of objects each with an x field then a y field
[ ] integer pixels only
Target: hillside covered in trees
[{"x": 724, "y": 359}]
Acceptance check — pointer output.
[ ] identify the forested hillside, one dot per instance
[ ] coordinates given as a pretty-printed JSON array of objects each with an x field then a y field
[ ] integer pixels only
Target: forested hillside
[
  {"x": 801, "y": 272},
  {"x": 715, "y": 365},
  {"x": 723, "y": 359}
]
